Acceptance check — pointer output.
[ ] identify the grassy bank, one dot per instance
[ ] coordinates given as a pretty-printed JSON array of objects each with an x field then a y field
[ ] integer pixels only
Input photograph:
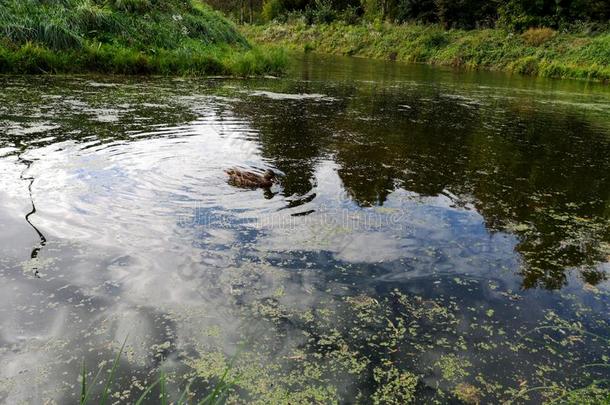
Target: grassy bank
[
  {"x": 126, "y": 37},
  {"x": 536, "y": 52}
]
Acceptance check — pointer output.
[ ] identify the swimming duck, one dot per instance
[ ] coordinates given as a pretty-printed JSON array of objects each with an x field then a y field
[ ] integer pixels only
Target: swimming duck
[{"x": 247, "y": 179}]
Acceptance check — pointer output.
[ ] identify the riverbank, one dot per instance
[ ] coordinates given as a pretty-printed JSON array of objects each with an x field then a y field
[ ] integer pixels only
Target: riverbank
[
  {"x": 127, "y": 37},
  {"x": 537, "y": 52}
]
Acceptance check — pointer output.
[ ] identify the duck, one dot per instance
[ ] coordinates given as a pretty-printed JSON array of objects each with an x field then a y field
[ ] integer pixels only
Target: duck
[{"x": 247, "y": 179}]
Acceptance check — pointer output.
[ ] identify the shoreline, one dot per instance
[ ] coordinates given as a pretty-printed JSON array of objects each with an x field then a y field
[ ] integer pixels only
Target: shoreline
[
  {"x": 546, "y": 53},
  {"x": 173, "y": 37},
  {"x": 107, "y": 59}
]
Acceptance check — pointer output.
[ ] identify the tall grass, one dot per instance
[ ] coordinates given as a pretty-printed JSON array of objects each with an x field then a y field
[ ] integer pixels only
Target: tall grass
[
  {"x": 125, "y": 36},
  {"x": 136, "y": 23},
  {"x": 540, "y": 52}
]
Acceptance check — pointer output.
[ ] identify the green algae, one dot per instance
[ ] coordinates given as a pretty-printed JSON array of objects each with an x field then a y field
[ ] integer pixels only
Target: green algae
[
  {"x": 453, "y": 368},
  {"x": 380, "y": 341}
]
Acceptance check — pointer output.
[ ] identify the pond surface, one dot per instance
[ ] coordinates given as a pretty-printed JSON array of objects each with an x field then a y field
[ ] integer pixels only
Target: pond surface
[{"x": 435, "y": 235}]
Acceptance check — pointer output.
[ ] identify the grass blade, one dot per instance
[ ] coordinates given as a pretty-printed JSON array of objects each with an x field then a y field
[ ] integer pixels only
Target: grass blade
[
  {"x": 110, "y": 380},
  {"x": 163, "y": 393},
  {"x": 147, "y": 391},
  {"x": 184, "y": 394},
  {"x": 86, "y": 397},
  {"x": 83, "y": 390}
]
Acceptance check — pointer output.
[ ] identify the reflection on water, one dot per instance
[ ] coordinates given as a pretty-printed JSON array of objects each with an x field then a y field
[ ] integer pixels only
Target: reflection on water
[{"x": 425, "y": 224}]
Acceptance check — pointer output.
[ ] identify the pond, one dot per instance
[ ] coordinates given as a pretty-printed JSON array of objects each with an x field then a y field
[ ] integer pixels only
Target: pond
[{"x": 436, "y": 236}]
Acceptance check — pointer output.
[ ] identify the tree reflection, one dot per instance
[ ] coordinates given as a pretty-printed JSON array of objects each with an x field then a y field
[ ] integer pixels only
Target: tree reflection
[{"x": 539, "y": 172}]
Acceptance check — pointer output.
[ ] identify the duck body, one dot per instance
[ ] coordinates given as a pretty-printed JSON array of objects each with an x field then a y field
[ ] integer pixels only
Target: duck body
[{"x": 248, "y": 179}]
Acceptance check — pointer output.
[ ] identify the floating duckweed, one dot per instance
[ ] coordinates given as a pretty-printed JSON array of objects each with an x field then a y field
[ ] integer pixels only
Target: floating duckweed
[
  {"x": 467, "y": 393},
  {"x": 453, "y": 367},
  {"x": 395, "y": 386}
]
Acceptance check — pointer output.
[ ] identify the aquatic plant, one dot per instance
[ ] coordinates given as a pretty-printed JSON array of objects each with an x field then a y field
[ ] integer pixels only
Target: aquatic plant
[
  {"x": 596, "y": 392},
  {"x": 215, "y": 396}
]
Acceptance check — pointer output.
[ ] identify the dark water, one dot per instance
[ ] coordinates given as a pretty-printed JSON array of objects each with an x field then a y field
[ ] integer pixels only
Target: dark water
[{"x": 437, "y": 236}]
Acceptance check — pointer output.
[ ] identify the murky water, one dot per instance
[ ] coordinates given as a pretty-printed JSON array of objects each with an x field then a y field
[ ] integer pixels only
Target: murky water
[{"x": 435, "y": 235}]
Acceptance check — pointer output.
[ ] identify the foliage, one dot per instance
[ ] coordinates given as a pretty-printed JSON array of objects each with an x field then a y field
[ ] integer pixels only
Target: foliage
[
  {"x": 240, "y": 10},
  {"x": 538, "y": 36},
  {"x": 272, "y": 9},
  {"x": 538, "y": 53},
  {"x": 519, "y": 15},
  {"x": 466, "y": 13},
  {"x": 350, "y": 15},
  {"x": 124, "y": 36},
  {"x": 417, "y": 10},
  {"x": 516, "y": 15},
  {"x": 324, "y": 12}
]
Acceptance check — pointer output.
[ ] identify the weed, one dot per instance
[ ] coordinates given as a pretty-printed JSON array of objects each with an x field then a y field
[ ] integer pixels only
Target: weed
[{"x": 538, "y": 36}]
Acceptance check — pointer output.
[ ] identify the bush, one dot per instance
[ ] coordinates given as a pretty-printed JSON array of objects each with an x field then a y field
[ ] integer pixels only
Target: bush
[
  {"x": 528, "y": 66},
  {"x": 272, "y": 9},
  {"x": 538, "y": 36},
  {"x": 417, "y": 10},
  {"x": 372, "y": 10},
  {"x": 322, "y": 12},
  {"x": 350, "y": 15}
]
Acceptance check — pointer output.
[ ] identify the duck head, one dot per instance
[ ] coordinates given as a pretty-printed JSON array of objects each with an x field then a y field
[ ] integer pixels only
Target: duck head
[{"x": 270, "y": 175}]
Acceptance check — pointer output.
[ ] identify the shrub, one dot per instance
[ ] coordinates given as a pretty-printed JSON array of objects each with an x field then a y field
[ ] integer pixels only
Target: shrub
[
  {"x": 350, "y": 15},
  {"x": 272, "y": 9},
  {"x": 324, "y": 12},
  {"x": 538, "y": 36},
  {"x": 436, "y": 39},
  {"x": 526, "y": 66}
]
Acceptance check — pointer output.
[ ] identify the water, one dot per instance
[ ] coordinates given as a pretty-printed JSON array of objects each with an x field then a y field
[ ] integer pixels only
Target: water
[{"x": 436, "y": 235}]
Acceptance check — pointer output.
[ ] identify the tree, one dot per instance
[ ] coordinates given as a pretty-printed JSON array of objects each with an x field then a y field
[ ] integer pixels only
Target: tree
[{"x": 417, "y": 10}]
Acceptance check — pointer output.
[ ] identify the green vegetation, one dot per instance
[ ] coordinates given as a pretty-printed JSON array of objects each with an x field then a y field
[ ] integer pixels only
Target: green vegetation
[
  {"x": 467, "y": 14},
  {"x": 126, "y": 37},
  {"x": 550, "y": 38},
  {"x": 216, "y": 395},
  {"x": 536, "y": 52}
]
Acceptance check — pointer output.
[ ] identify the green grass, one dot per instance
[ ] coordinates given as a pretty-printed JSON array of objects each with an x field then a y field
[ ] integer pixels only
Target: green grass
[
  {"x": 126, "y": 37},
  {"x": 563, "y": 55}
]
